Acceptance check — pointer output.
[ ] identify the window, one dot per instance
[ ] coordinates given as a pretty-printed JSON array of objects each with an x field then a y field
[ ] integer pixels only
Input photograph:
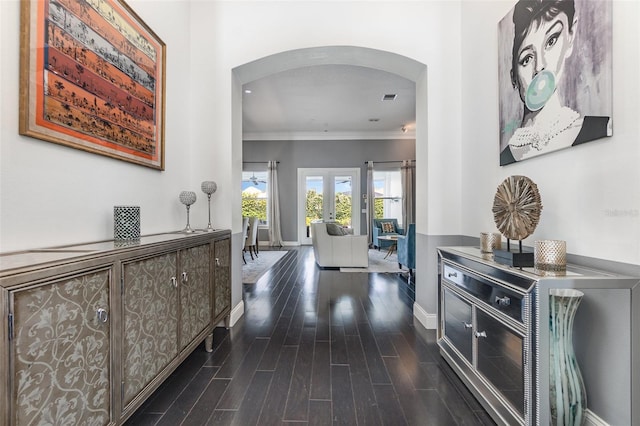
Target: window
[
  {"x": 387, "y": 185},
  {"x": 255, "y": 195}
]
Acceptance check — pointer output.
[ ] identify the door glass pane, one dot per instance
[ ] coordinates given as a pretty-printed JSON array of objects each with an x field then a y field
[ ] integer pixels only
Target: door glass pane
[
  {"x": 314, "y": 205},
  {"x": 343, "y": 199}
]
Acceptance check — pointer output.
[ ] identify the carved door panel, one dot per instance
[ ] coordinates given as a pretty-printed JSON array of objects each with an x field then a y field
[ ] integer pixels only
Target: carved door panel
[
  {"x": 222, "y": 286},
  {"x": 195, "y": 292},
  {"x": 150, "y": 320},
  {"x": 61, "y": 351}
]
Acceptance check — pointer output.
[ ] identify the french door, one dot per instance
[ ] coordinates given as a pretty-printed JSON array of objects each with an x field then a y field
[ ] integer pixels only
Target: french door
[{"x": 328, "y": 195}]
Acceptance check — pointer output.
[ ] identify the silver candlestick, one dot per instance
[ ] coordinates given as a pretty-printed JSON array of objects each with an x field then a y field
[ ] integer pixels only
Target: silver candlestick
[
  {"x": 187, "y": 198},
  {"x": 209, "y": 187}
]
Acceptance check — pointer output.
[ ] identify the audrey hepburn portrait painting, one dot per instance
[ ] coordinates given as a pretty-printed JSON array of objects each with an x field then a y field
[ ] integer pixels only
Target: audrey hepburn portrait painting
[{"x": 555, "y": 76}]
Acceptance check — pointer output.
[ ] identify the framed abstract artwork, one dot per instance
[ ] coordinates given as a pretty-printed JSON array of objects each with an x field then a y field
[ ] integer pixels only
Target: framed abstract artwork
[
  {"x": 92, "y": 77},
  {"x": 555, "y": 76}
]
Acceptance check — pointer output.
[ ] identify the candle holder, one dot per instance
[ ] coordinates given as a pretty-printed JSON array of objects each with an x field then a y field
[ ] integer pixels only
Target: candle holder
[
  {"x": 126, "y": 223},
  {"x": 490, "y": 241},
  {"x": 550, "y": 255},
  {"x": 187, "y": 198},
  {"x": 209, "y": 187}
]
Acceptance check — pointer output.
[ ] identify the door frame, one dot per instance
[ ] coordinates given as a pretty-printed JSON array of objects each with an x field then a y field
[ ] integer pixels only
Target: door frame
[{"x": 327, "y": 172}]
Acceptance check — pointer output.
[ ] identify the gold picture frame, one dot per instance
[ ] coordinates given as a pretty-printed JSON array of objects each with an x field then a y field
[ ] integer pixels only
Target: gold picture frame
[{"x": 92, "y": 77}]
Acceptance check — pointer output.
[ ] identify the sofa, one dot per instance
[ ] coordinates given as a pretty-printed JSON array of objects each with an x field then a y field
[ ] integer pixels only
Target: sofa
[
  {"x": 340, "y": 249},
  {"x": 379, "y": 230},
  {"x": 407, "y": 249}
]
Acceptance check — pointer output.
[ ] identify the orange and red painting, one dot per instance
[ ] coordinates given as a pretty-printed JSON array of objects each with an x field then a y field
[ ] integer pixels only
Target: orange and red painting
[{"x": 92, "y": 77}]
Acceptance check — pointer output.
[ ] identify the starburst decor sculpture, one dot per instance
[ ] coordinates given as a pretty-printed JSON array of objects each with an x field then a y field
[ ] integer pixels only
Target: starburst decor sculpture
[{"x": 516, "y": 207}]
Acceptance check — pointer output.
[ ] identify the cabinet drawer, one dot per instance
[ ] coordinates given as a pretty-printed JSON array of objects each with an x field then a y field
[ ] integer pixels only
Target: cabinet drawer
[{"x": 499, "y": 297}]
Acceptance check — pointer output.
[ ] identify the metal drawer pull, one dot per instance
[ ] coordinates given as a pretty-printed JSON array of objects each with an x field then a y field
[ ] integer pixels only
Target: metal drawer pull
[
  {"x": 481, "y": 334},
  {"x": 503, "y": 301},
  {"x": 452, "y": 274},
  {"x": 174, "y": 282},
  {"x": 217, "y": 261},
  {"x": 467, "y": 325},
  {"x": 103, "y": 315},
  {"x": 185, "y": 277}
]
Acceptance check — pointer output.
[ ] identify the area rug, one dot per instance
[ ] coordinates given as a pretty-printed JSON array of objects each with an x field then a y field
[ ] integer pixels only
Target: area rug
[
  {"x": 377, "y": 263},
  {"x": 253, "y": 270}
]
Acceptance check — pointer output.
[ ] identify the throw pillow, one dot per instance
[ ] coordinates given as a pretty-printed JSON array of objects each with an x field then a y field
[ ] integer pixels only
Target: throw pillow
[
  {"x": 388, "y": 227},
  {"x": 335, "y": 230}
]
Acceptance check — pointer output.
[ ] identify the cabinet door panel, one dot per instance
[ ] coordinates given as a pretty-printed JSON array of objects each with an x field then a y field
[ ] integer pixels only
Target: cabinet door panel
[
  {"x": 222, "y": 288},
  {"x": 500, "y": 358},
  {"x": 61, "y": 352},
  {"x": 195, "y": 293},
  {"x": 458, "y": 324},
  {"x": 150, "y": 323}
]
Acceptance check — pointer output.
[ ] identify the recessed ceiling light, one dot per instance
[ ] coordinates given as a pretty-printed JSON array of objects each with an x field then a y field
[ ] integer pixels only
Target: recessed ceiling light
[
  {"x": 389, "y": 97},
  {"x": 247, "y": 91}
]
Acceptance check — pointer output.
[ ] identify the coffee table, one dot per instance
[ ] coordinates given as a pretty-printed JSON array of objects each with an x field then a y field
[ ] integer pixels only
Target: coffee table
[{"x": 394, "y": 243}]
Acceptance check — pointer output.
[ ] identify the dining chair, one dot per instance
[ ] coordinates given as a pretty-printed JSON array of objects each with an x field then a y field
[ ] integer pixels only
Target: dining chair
[
  {"x": 245, "y": 229},
  {"x": 251, "y": 243}
]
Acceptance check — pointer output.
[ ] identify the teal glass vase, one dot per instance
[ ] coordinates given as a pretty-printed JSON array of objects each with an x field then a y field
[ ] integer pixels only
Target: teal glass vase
[{"x": 567, "y": 396}]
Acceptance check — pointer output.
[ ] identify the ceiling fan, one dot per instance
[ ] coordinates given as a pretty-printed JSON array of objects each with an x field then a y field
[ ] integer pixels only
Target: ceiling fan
[{"x": 255, "y": 180}]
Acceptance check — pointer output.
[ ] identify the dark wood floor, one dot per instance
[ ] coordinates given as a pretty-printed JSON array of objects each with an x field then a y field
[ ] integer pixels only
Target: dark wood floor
[{"x": 317, "y": 347}]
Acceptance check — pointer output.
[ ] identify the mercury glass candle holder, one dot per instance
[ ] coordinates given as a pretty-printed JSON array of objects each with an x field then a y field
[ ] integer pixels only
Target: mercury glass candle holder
[
  {"x": 550, "y": 255},
  {"x": 209, "y": 187},
  {"x": 187, "y": 198},
  {"x": 490, "y": 241}
]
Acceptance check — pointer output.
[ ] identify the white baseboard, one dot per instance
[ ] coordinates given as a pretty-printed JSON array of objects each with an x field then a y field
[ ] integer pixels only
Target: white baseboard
[
  {"x": 429, "y": 321},
  {"x": 236, "y": 313},
  {"x": 592, "y": 419}
]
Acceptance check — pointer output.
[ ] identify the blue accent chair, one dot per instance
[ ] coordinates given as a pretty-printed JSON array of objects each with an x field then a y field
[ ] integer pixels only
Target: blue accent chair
[
  {"x": 407, "y": 249},
  {"x": 377, "y": 232}
]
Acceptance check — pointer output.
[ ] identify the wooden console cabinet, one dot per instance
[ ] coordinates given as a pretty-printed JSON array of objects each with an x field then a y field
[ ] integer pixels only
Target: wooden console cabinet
[{"x": 90, "y": 331}]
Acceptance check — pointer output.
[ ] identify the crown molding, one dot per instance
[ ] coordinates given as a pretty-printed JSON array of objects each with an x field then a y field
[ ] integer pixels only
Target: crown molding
[{"x": 309, "y": 136}]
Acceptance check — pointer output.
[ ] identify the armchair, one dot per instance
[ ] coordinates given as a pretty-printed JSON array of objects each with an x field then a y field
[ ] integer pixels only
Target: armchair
[
  {"x": 343, "y": 250},
  {"x": 407, "y": 249},
  {"x": 379, "y": 230}
]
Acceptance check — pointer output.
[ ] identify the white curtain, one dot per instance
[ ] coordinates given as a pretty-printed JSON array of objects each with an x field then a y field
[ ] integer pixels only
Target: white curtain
[
  {"x": 408, "y": 174},
  {"x": 275, "y": 233},
  {"x": 370, "y": 202}
]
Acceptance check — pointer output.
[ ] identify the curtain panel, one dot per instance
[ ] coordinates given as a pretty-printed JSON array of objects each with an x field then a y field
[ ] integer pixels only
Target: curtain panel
[{"x": 275, "y": 231}]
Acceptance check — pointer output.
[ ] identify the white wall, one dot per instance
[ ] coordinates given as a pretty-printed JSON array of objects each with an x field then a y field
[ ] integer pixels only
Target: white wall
[
  {"x": 229, "y": 34},
  {"x": 590, "y": 193},
  {"x": 52, "y": 195}
]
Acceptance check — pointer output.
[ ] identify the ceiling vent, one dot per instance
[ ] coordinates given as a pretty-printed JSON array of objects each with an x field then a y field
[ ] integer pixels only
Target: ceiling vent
[{"x": 389, "y": 97}]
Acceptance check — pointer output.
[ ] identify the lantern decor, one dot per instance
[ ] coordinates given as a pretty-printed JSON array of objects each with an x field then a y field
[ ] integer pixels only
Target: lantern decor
[{"x": 126, "y": 223}]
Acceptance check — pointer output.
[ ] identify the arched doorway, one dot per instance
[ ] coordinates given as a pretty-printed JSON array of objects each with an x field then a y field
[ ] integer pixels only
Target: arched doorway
[
  {"x": 335, "y": 55},
  {"x": 332, "y": 55}
]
